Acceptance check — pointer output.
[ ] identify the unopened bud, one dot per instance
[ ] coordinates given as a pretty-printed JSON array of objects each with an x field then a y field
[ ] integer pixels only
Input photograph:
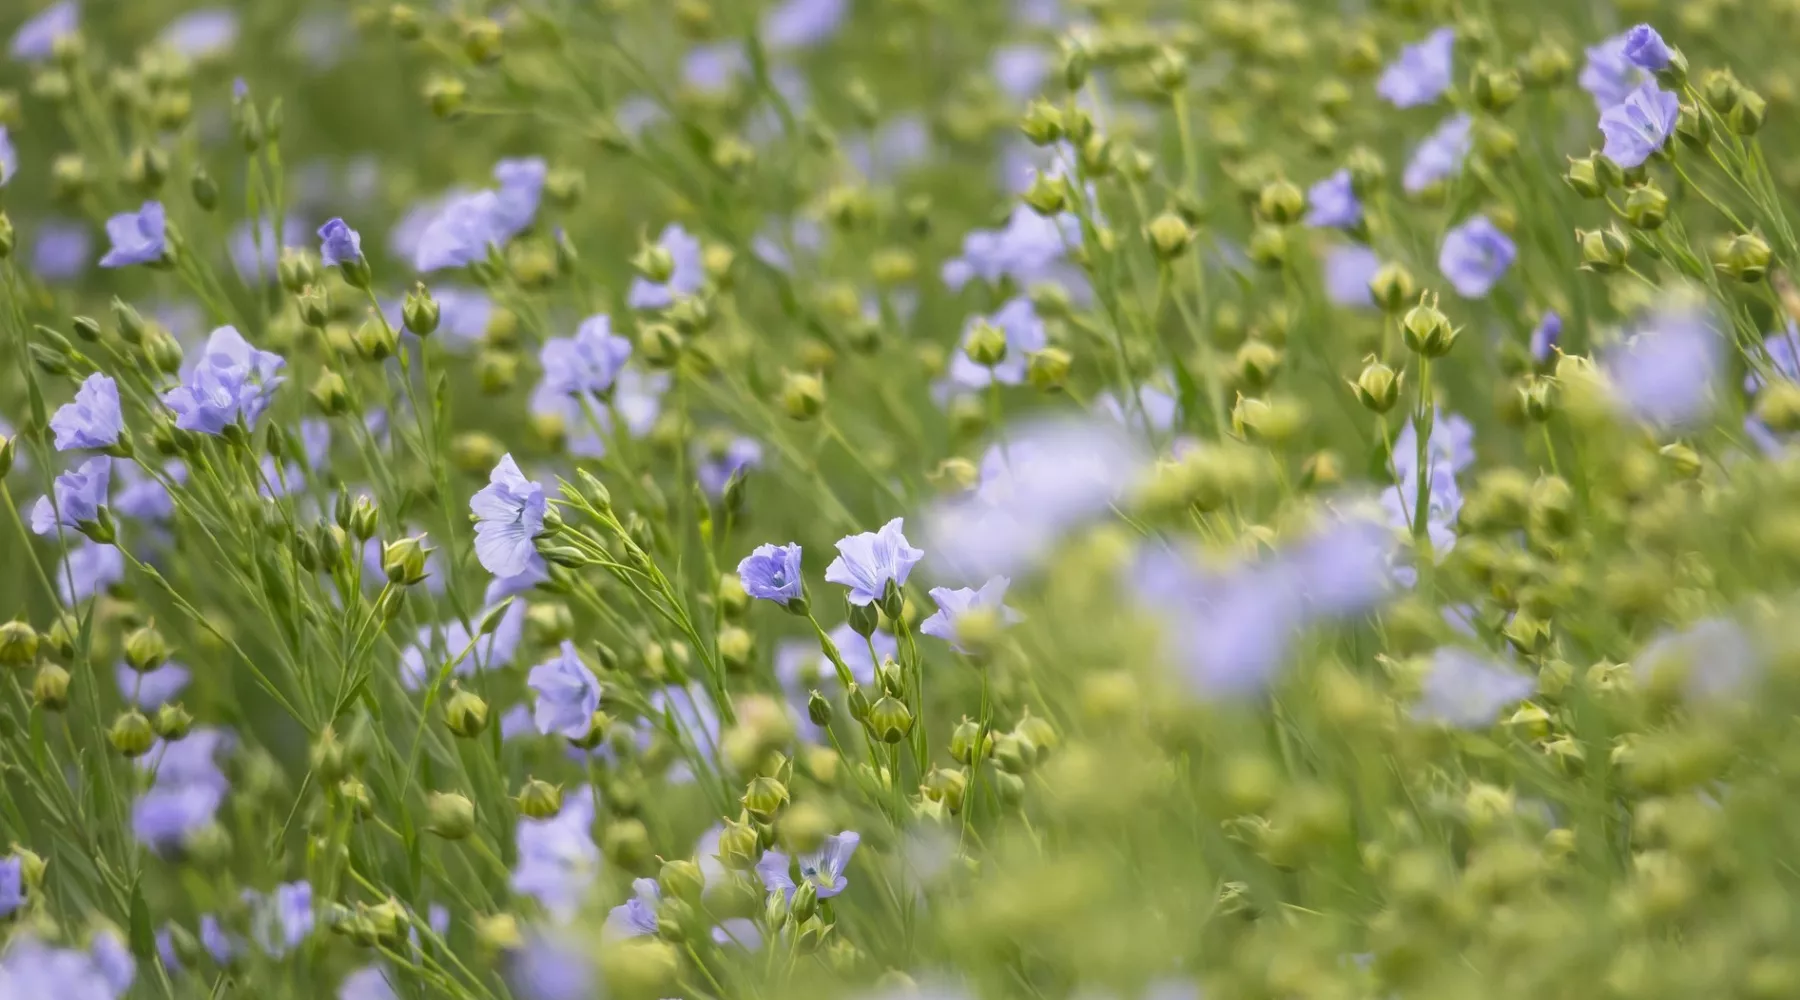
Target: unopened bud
[
  {"x": 1427, "y": 331},
  {"x": 131, "y": 735},
  {"x": 449, "y": 815},
  {"x": 1378, "y": 387}
]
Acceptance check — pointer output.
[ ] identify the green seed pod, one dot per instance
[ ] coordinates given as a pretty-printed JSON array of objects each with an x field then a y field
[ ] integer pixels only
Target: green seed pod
[
  {"x": 449, "y": 815},
  {"x": 1427, "y": 331},
  {"x": 539, "y": 799},
  {"x": 173, "y": 722},
  {"x": 1392, "y": 287},
  {"x": 1378, "y": 387},
  {"x": 50, "y": 688},
  {"x": 18, "y": 644},
  {"x": 889, "y": 720},
  {"x": 131, "y": 735},
  {"x": 466, "y": 714}
]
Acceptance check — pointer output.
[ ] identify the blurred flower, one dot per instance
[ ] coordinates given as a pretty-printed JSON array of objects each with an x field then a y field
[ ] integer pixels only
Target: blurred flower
[
  {"x": 30, "y": 969},
  {"x": 1609, "y": 74},
  {"x": 1230, "y": 632},
  {"x": 714, "y": 468},
  {"x": 898, "y": 144},
  {"x": 1024, "y": 335},
  {"x": 1440, "y": 155},
  {"x": 1153, "y": 411},
  {"x": 12, "y": 885},
  {"x": 9, "y": 157},
  {"x": 509, "y": 515},
  {"x": 1664, "y": 375},
  {"x": 322, "y": 38},
  {"x": 1545, "y": 336},
  {"x": 637, "y": 397},
  {"x": 487, "y": 652},
  {"x": 463, "y": 313},
  {"x": 521, "y": 188},
  {"x": 772, "y": 573},
  {"x": 232, "y": 382},
  {"x": 954, "y": 604},
  {"x": 202, "y": 33},
  {"x": 824, "y": 868},
  {"x": 151, "y": 691},
  {"x": 92, "y": 419},
  {"x": 367, "y": 983},
  {"x": 61, "y": 251},
  {"x": 1029, "y": 249},
  {"x": 1021, "y": 70},
  {"x": 686, "y": 279},
  {"x": 869, "y": 561},
  {"x": 1421, "y": 73},
  {"x": 88, "y": 569},
  {"x": 568, "y": 695},
  {"x": 590, "y": 361},
  {"x": 281, "y": 920},
  {"x": 548, "y": 969},
  {"x": 80, "y": 493},
  {"x": 459, "y": 234},
  {"x": 799, "y": 24},
  {"x": 113, "y": 959},
  {"x": 1783, "y": 351},
  {"x": 36, "y": 39},
  {"x": 558, "y": 861},
  {"x": 1332, "y": 203},
  {"x": 1639, "y": 125},
  {"x": 1443, "y": 504},
  {"x": 137, "y": 237},
  {"x": 1452, "y": 442},
  {"x": 1714, "y": 658},
  {"x": 186, "y": 788},
  {"x": 778, "y": 241},
  {"x": 712, "y": 69},
  {"x": 1475, "y": 256},
  {"x": 1468, "y": 691},
  {"x": 1348, "y": 270},
  {"x": 1646, "y": 49},
  {"x": 339, "y": 243},
  {"x": 636, "y": 917},
  {"x": 256, "y": 249},
  {"x": 739, "y": 932}
]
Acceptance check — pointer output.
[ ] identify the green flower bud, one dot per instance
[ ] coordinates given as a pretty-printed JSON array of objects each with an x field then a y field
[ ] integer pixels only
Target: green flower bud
[
  {"x": 131, "y": 735},
  {"x": 1745, "y": 257},
  {"x": 18, "y": 644},
  {"x": 1427, "y": 331},
  {"x": 985, "y": 344},
  {"x": 1378, "y": 387},
  {"x": 739, "y": 849},
  {"x": 1693, "y": 128},
  {"x": 1552, "y": 511},
  {"x": 499, "y": 933},
  {"x": 466, "y": 714},
  {"x": 969, "y": 741},
  {"x": 1777, "y": 405},
  {"x": 404, "y": 561},
  {"x": 1646, "y": 207},
  {"x": 1603, "y": 251},
  {"x": 375, "y": 340},
  {"x": 1042, "y": 123},
  {"x": 449, "y": 815},
  {"x": 446, "y": 96},
  {"x": 802, "y": 395},
  {"x": 1268, "y": 247},
  {"x": 539, "y": 799},
  {"x": 818, "y": 709},
  {"x": 163, "y": 350},
  {"x": 146, "y": 649},
  {"x": 1367, "y": 169},
  {"x": 626, "y": 843},
  {"x": 297, "y": 269},
  {"x": 764, "y": 797},
  {"x": 420, "y": 311},
  {"x": 1169, "y": 70},
  {"x": 1746, "y": 116},
  {"x": 1048, "y": 370},
  {"x": 1392, "y": 287},
  {"x": 1537, "y": 396},
  {"x": 1495, "y": 90},
  {"x": 481, "y": 40},
  {"x": 363, "y": 518},
  {"x": 1721, "y": 90},
  {"x": 889, "y": 720},
  {"x": 1584, "y": 176},
  {"x": 86, "y": 328},
  {"x": 173, "y": 722},
  {"x": 50, "y": 688},
  {"x": 858, "y": 702},
  {"x": 1281, "y": 202},
  {"x": 404, "y": 20},
  {"x": 1047, "y": 195},
  {"x": 1169, "y": 235},
  {"x": 357, "y": 796},
  {"x": 805, "y": 901},
  {"x": 659, "y": 344},
  {"x": 330, "y": 392},
  {"x": 1547, "y": 64},
  {"x": 1255, "y": 365}
]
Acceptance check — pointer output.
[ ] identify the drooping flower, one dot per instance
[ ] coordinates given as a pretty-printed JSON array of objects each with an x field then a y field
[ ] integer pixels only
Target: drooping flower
[
  {"x": 1664, "y": 375},
  {"x": 1421, "y": 73},
  {"x": 1646, "y": 48},
  {"x": 202, "y": 33},
  {"x": 636, "y": 917},
  {"x": 80, "y": 493},
  {"x": 568, "y": 695},
  {"x": 232, "y": 382},
  {"x": 1609, "y": 74},
  {"x": 687, "y": 277},
  {"x": 1475, "y": 256},
  {"x": 1332, "y": 203},
  {"x": 139, "y": 237},
  {"x": 954, "y": 604},
  {"x": 868, "y": 562},
  {"x": 1024, "y": 333},
  {"x": 1545, "y": 336},
  {"x": 509, "y": 515},
  {"x": 558, "y": 861},
  {"x": 1440, "y": 155},
  {"x": 772, "y": 573},
  {"x": 36, "y": 38},
  {"x": 590, "y": 361},
  {"x": 1639, "y": 125},
  {"x": 339, "y": 244},
  {"x": 93, "y": 419},
  {"x": 823, "y": 868},
  {"x": 1468, "y": 691},
  {"x": 714, "y": 467},
  {"x": 1348, "y": 270}
]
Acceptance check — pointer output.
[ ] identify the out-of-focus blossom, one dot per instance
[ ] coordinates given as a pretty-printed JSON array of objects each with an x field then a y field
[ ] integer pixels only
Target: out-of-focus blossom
[
  {"x": 690, "y": 710},
  {"x": 1153, "y": 410},
  {"x": 87, "y": 570},
  {"x": 568, "y": 695},
  {"x": 201, "y": 34},
  {"x": 1021, "y": 70},
  {"x": 1546, "y": 336},
  {"x": 256, "y": 249},
  {"x": 712, "y": 69},
  {"x": 558, "y": 861},
  {"x": 714, "y": 467},
  {"x": 1664, "y": 375},
  {"x": 1467, "y": 691},
  {"x": 1348, "y": 270},
  {"x": 186, "y": 790},
  {"x": 153, "y": 689},
  {"x": 800, "y": 24},
  {"x": 1421, "y": 73},
  {"x": 9, "y": 157},
  {"x": 36, "y": 39},
  {"x": 1712, "y": 658},
  {"x": 30, "y": 969},
  {"x": 1024, "y": 332},
  {"x": 232, "y": 382},
  {"x": 367, "y": 983},
  {"x": 636, "y": 917},
  {"x": 79, "y": 495},
  {"x": 113, "y": 959},
  {"x": 1475, "y": 256},
  {"x": 1332, "y": 203},
  {"x": 1030, "y": 248},
  {"x": 954, "y": 604},
  {"x": 92, "y": 419},
  {"x": 1640, "y": 125},
  {"x": 590, "y": 361},
  {"x": 459, "y": 234},
  {"x": 61, "y": 251},
  {"x": 1609, "y": 74},
  {"x": 552, "y": 969},
  {"x": 1440, "y": 155},
  {"x": 12, "y": 885},
  {"x": 281, "y": 920},
  {"x": 138, "y": 237},
  {"x": 687, "y": 277},
  {"x": 487, "y": 652}
]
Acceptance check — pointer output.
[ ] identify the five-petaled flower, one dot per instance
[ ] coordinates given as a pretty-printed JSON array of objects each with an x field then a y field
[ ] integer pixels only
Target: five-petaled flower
[
  {"x": 954, "y": 604},
  {"x": 509, "y": 515},
  {"x": 139, "y": 237},
  {"x": 823, "y": 868},
  {"x": 1421, "y": 73},
  {"x": 1640, "y": 125},
  {"x": 568, "y": 695},
  {"x": 92, "y": 419},
  {"x": 1475, "y": 256},
  {"x": 772, "y": 573},
  {"x": 233, "y": 381},
  {"x": 80, "y": 494},
  {"x": 868, "y": 562}
]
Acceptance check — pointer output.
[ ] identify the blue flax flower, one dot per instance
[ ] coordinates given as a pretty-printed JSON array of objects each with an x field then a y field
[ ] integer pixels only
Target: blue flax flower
[
  {"x": 186, "y": 792},
  {"x": 152, "y": 690},
  {"x": 953, "y": 604},
  {"x": 12, "y": 885},
  {"x": 1609, "y": 74},
  {"x": 459, "y": 234},
  {"x": 509, "y": 515},
  {"x": 690, "y": 710},
  {"x": 1646, "y": 49},
  {"x": 31, "y": 969},
  {"x": 92, "y": 419},
  {"x": 87, "y": 570},
  {"x": 233, "y": 381},
  {"x": 35, "y": 40},
  {"x": 281, "y": 920},
  {"x": 421, "y": 661},
  {"x": 9, "y": 157},
  {"x": 801, "y": 24},
  {"x": 1332, "y": 204},
  {"x": 61, "y": 251},
  {"x": 1440, "y": 155},
  {"x": 1467, "y": 691},
  {"x": 1024, "y": 332},
  {"x": 339, "y": 244},
  {"x": 772, "y": 573},
  {"x": 139, "y": 237},
  {"x": 551, "y": 968},
  {"x": 1348, "y": 271},
  {"x": 1475, "y": 256},
  {"x": 687, "y": 277},
  {"x": 521, "y": 188},
  {"x": 113, "y": 959},
  {"x": 558, "y": 861},
  {"x": 1154, "y": 410},
  {"x": 714, "y": 467},
  {"x": 367, "y": 983},
  {"x": 1545, "y": 336},
  {"x": 568, "y": 695},
  {"x": 202, "y": 33},
  {"x": 1640, "y": 125},
  {"x": 1421, "y": 73},
  {"x": 1713, "y": 658},
  {"x": 590, "y": 361},
  {"x": 80, "y": 494},
  {"x": 636, "y": 917},
  {"x": 1664, "y": 375},
  {"x": 867, "y": 562},
  {"x": 824, "y": 868}
]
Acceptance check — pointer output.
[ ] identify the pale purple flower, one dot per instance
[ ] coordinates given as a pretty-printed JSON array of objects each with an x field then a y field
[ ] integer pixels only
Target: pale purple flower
[
  {"x": 781, "y": 239},
  {"x": 953, "y": 604},
  {"x": 713, "y": 468},
  {"x": 1332, "y": 203},
  {"x": 1021, "y": 70},
  {"x": 1443, "y": 504},
  {"x": 637, "y": 396},
  {"x": 1348, "y": 270},
  {"x": 80, "y": 493},
  {"x": 281, "y": 920},
  {"x": 9, "y": 157},
  {"x": 1664, "y": 375},
  {"x": 690, "y": 710},
  {"x": 1440, "y": 155},
  {"x": 367, "y": 983},
  {"x": 459, "y": 234},
  {"x": 1716, "y": 657},
  {"x": 232, "y": 382},
  {"x": 1342, "y": 570},
  {"x": 568, "y": 695},
  {"x": 800, "y": 24},
  {"x": 187, "y": 790},
  {"x": 154, "y": 689},
  {"x": 487, "y": 652},
  {"x": 256, "y": 247},
  {"x": 509, "y": 515},
  {"x": 219, "y": 945},
  {"x": 867, "y": 563},
  {"x": 202, "y": 33},
  {"x": 87, "y": 570},
  {"x": 521, "y": 188},
  {"x": 12, "y": 885},
  {"x": 113, "y": 959},
  {"x": 1609, "y": 74},
  {"x": 1640, "y": 125},
  {"x": 1475, "y": 256},
  {"x": 712, "y": 69},
  {"x": 138, "y": 237},
  {"x": 1452, "y": 442},
  {"x": 1545, "y": 336},
  {"x": 93, "y": 419},
  {"x": 772, "y": 573},
  {"x": 1029, "y": 249},
  {"x": 899, "y": 144},
  {"x": 463, "y": 313},
  {"x": 30, "y": 970},
  {"x": 856, "y": 653},
  {"x": 1229, "y": 632},
  {"x": 686, "y": 279},
  {"x": 558, "y": 861},
  {"x": 590, "y": 361},
  {"x": 1468, "y": 691},
  {"x": 339, "y": 244},
  {"x": 1646, "y": 49},
  {"x": 1155, "y": 409},
  {"x": 1024, "y": 332},
  {"x": 738, "y": 932},
  {"x": 1783, "y": 351},
  {"x": 552, "y": 969},
  {"x": 636, "y": 917},
  {"x": 61, "y": 251},
  {"x": 823, "y": 868},
  {"x": 35, "y": 40},
  {"x": 1421, "y": 73}
]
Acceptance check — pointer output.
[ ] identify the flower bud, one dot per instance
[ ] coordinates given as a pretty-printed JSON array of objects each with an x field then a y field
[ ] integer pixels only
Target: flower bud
[
  {"x": 1391, "y": 287},
  {"x": 802, "y": 395},
  {"x": 739, "y": 849},
  {"x": 420, "y": 311},
  {"x": 1268, "y": 247},
  {"x": 1585, "y": 177},
  {"x": 970, "y": 741},
  {"x": 1377, "y": 388},
  {"x": 1048, "y": 370},
  {"x": 1693, "y": 128},
  {"x": 481, "y": 40},
  {"x": 172, "y": 722},
  {"x": 364, "y": 518},
  {"x": 1746, "y": 117},
  {"x": 1255, "y": 365},
  {"x": 131, "y": 735},
  {"x": 18, "y": 644},
  {"x": 1169, "y": 70},
  {"x": 946, "y": 786},
  {"x": 296, "y": 269},
  {"x": 1169, "y": 235},
  {"x": 466, "y": 714},
  {"x": 357, "y": 796},
  {"x": 1745, "y": 257},
  {"x": 375, "y": 340},
  {"x": 449, "y": 815},
  {"x": 146, "y": 649},
  {"x": 404, "y": 561},
  {"x": 1368, "y": 171},
  {"x": 50, "y": 688},
  {"x": 818, "y": 709},
  {"x": 889, "y": 720},
  {"x": 330, "y": 392},
  {"x": 1042, "y": 122},
  {"x": 539, "y": 799},
  {"x": 1646, "y": 207},
  {"x": 1777, "y": 405},
  {"x": 1547, "y": 64},
  {"x": 986, "y": 344},
  {"x": 626, "y": 843},
  {"x": 1603, "y": 251},
  {"x": 1427, "y": 331},
  {"x": 682, "y": 880},
  {"x": 1495, "y": 90},
  {"x": 1281, "y": 202},
  {"x": 1047, "y": 195},
  {"x": 1538, "y": 398}
]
